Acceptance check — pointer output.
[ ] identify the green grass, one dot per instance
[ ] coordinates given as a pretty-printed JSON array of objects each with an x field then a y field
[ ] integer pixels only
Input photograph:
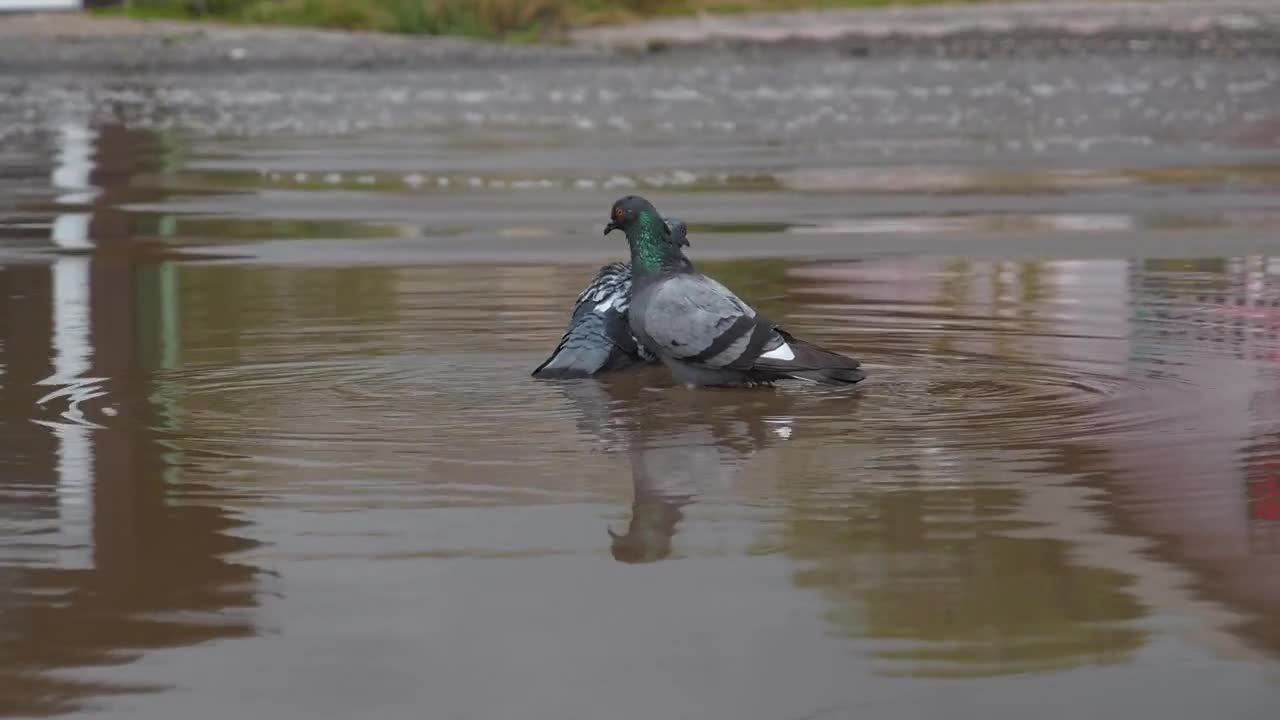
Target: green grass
[{"x": 508, "y": 19}]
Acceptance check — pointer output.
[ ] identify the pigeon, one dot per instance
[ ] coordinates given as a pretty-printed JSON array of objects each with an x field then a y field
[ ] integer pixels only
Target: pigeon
[
  {"x": 598, "y": 338},
  {"x": 698, "y": 328}
]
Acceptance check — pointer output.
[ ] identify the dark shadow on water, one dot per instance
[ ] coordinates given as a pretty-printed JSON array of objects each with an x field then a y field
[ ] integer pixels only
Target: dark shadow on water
[{"x": 110, "y": 546}]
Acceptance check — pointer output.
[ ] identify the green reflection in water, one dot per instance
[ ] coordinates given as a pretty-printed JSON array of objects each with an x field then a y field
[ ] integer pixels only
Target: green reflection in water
[
  {"x": 953, "y": 293},
  {"x": 267, "y": 229},
  {"x": 762, "y": 283},
  {"x": 239, "y": 308},
  {"x": 741, "y": 227},
  {"x": 942, "y": 578}
]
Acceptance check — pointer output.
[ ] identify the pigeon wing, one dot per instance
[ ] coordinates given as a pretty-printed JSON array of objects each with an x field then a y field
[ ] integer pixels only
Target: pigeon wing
[
  {"x": 696, "y": 320},
  {"x": 598, "y": 337}
]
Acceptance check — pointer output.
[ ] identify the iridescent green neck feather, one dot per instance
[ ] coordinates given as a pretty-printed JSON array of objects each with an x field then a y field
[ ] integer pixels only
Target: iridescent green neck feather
[{"x": 651, "y": 251}]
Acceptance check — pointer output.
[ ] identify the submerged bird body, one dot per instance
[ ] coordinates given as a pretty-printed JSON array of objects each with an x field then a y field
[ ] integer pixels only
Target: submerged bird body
[
  {"x": 598, "y": 338},
  {"x": 699, "y": 328}
]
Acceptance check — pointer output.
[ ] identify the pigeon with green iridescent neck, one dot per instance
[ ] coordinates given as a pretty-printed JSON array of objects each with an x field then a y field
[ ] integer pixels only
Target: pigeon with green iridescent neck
[
  {"x": 598, "y": 338},
  {"x": 698, "y": 328}
]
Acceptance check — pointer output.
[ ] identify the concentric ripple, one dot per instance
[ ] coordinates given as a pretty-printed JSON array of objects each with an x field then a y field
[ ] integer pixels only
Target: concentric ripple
[
  {"x": 456, "y": 428},
  {"x": 980, "y": 402},
  {"x": 429, "y": 400}
]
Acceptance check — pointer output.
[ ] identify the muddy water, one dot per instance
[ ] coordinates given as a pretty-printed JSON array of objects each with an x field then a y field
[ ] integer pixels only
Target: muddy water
[{"x": 270, "y": 447}]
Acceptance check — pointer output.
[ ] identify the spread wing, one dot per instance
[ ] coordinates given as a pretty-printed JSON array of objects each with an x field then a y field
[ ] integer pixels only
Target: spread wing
[{"x": 598, "y": 337}]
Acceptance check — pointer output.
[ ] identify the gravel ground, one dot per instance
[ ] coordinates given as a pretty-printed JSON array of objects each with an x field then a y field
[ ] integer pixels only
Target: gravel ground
[
  {"x": 1077, "y": 20},
  {"x": 74, "y": 42}
]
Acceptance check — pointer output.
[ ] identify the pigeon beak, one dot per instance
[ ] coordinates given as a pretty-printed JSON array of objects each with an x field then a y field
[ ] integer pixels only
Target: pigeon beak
[{"x": 610, "y": 228}]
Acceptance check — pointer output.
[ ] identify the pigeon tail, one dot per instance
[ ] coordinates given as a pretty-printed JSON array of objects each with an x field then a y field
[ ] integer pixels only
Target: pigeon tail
[{"x": 794, "y": 358}]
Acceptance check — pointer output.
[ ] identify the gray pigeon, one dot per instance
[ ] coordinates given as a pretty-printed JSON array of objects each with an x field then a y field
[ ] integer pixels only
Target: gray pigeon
[
  {"x": 598, "y": 338},
  {"x": 698, "y": 328}
]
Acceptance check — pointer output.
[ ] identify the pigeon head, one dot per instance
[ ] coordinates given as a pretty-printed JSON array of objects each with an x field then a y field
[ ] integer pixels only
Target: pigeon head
[
  {"x": 679, "y": 232},
  {"x": 631, "y": 212},
  {"x": 655, "y": 243}
]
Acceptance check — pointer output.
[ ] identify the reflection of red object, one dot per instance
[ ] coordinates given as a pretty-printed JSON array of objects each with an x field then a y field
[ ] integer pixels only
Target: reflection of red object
[{"x": 1264, "y": 495}]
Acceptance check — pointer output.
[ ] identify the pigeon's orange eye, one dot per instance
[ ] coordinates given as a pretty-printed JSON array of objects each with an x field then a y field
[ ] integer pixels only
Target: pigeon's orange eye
[{"x": 618, "y": 213}]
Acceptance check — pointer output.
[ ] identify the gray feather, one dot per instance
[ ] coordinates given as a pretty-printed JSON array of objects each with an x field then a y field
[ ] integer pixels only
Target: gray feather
[
  {"x": 598, "y": 338},
  {"x": 689, "y": 316},
  {"x": 707, "y": 335},
  {"x": 584, "y": 350}
]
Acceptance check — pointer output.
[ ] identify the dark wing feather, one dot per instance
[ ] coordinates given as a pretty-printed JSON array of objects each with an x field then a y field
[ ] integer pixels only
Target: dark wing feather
[
  {"x": 787, "y": 356},
  {"x": 598, "y": 338}
]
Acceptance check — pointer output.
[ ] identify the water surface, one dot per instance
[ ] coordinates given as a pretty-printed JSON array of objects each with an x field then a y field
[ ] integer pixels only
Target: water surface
[{"x": 269, "y": 446}]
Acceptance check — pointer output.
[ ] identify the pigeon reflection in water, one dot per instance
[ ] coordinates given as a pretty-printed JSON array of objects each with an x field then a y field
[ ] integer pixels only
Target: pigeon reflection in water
[{"x": 680, "y": 445}]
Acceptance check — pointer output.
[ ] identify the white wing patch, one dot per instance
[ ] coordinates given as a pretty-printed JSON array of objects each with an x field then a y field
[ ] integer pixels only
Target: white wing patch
[{"x": 782, "y": 352}]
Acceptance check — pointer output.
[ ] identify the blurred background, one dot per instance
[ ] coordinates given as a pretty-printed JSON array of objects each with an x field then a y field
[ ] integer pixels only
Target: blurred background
[
  {"x": 527, "y": 19},
  {"x": 273, "y": 275}
]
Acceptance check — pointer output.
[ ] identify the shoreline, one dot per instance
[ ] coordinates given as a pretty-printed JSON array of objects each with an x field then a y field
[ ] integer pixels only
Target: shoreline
[
  {"x": 1080, "y": 18},
  {"x": 84, "y": 42}
]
